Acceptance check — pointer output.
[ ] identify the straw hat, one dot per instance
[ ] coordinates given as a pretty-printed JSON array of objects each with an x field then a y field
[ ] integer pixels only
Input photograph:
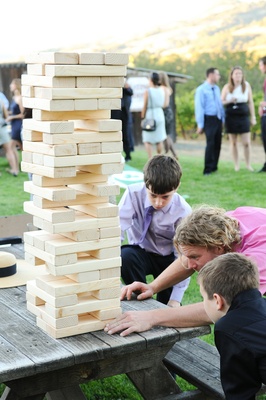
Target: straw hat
[{"x": 15, "y": 272}]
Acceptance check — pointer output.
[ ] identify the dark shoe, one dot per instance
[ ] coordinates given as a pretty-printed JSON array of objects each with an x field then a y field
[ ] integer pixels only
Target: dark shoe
[
  {"x": 263, "y": 169},
  {"x": 207, "y": 173}
]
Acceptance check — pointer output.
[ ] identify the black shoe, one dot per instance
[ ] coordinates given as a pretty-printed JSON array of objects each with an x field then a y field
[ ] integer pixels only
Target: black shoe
[{"x": 263, "y": 169}]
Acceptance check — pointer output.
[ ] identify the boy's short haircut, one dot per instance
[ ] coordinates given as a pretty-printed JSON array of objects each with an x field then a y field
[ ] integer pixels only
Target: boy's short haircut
[
  {"x": 228, "y": 275},
  {"x": 162, "y": 174}
]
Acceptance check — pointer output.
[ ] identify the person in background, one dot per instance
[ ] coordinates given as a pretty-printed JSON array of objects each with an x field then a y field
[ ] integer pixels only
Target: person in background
[
  {"x": 150, "y": 247},
  {"x": 154, "y": 98},
  {"x": 239, "y": 113},
  {"x": 209, "y": 114},
  {"x": 229, "y": 287},
  {"x": 4, "y": 100},
  {"x": 15, "y": 118},
  {"x": 5, "y": 140},
  {"x": 204, "y": 234},
  {"x": 262, "y": 110},
  {"x": 124, "y": 115},
  {"x": 168, "y": 114}
]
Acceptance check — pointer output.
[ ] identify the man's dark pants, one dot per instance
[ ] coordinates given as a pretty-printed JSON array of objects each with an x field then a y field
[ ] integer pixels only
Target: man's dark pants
[
  {"x": 213, "y": 132},
  {"x": 138, "y": 263}
]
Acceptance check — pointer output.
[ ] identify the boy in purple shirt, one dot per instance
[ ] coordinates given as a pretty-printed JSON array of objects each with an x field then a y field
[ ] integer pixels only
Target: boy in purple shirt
[{"x": 150, "y": 249}]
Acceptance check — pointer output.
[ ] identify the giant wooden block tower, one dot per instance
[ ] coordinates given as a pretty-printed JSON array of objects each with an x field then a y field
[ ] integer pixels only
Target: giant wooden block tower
[{"x": 71, "y": 146}]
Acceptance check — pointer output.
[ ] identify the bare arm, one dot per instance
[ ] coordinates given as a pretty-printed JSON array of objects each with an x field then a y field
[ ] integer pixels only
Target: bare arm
[
  {"x": 140, "y": 321},
  {"x": 143, "y": 111}
]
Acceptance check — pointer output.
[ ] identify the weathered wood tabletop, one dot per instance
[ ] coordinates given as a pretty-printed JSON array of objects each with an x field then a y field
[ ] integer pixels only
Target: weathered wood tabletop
[{"x": 33, "y": 364}]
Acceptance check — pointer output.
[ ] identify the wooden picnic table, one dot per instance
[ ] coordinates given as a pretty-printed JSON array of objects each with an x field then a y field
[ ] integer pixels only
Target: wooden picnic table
[{"x": 34, "y": 365}]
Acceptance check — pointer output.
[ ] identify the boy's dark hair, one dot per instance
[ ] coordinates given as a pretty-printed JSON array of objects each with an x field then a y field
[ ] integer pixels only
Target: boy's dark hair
[
  {"x": 228, "y": 275},
  {"x": 263, "y": 60},
  {"x": 210, "y": 71},
  {"x": 162, "y": 174}
]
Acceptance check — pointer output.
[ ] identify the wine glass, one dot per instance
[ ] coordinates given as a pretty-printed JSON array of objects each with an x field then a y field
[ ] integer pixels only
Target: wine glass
[{"x": 235, "y": 105}]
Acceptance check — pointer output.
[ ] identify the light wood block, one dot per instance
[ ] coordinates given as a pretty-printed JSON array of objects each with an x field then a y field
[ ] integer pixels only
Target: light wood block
[
  {"x": 49, "y": 126},
  {"x": 87, "y": 263},
  {"x": 107, "y": 293},
  {"x": 36, "y": 301},
  {"x": 51, "y": 193},
  {"x": 66, "y": 246},
  {"x": 112, "y": 81},
  {"x": 36, "y": 69},
  {"x": 85, "y": 276},
  {"x": 49, "y": 105},
  {"x": 31, "y": 259},
  {"x": 91, "y": 159},
  {"x": 85, "y": 104},
  {"x": 105, "y": 169},
  {"x": 59, "y": 301},
  {"x": 40, "y": 240},
  {"x": 47, "y": 57},
  {"x": 82, "y": 137},
  {"x": 88, "y": 82},
  {"x": 109, "y": 313},
  {"x": 49, "y": 258},
  {"x": 116, "y": 59},
  {"x": 32, "y": 136},
  {"x": 109, "y": 104},
  {"x": 85, "y": 70},
  {"x": 103, "y": 210},
  {"x": 43, "y": 115},
  {"x": 86, "y": 304},
  {"x": 83, "y": 235},
  {"x": 57, "y": 323},
  {"x": 100, "y": 125},
  {"x": 76, "y": 93},
  {"x": 81, "y": 177},
  {"x": 27, "y": 157},
  {"x": 81, "y": 198},
  {"x": 48, "y": 81},
  {"x": 97, "y": 189},
  {"x": 58, "y": 150},
  {"x": 106, "y": 253},
  {"x": 27, "y": 91},
  {"x": 91, "y": 58},
  {"x": 89, "y": 148},
  {"x": 66, "y": 286},
  {"x": 87, "y": 323},
  {"x": 110, "y": 273},
  {"x": 29, "y": 237},
  {"x": 37, "y": 159},
  {"x": 52, "y": 215},
  {"x": 110, "y": 232},
  {"x": 111, "y": 147},
  {"x": 50, "y": 172}
]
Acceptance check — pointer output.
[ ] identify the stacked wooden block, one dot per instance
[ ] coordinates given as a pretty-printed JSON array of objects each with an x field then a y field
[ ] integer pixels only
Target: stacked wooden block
[{"x": 71, "y": 146}]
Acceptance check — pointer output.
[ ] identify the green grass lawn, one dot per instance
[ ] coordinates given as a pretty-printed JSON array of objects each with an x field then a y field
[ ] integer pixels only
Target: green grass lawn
[{"x": 225, "y": 188}]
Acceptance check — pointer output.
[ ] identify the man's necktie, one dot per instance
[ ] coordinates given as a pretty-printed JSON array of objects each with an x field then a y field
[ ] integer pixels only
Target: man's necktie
[
  {"x": 147, "y": 221},
  {"x": 217, "y": 104}
]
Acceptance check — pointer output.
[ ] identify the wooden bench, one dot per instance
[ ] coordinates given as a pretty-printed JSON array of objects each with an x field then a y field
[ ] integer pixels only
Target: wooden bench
[{"x": 199, "y": 364}]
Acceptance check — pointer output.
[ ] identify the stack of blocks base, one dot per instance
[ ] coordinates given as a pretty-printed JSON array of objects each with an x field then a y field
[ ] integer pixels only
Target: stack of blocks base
[{"x": 70, "y": 147}]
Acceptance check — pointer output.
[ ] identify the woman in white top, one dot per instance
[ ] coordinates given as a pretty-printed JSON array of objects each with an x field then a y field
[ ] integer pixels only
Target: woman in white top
[{"x": 239, "y": 113}]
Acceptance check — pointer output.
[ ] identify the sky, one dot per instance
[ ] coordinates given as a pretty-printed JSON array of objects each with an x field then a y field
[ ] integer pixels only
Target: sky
[{"x": 31, "y": 26}]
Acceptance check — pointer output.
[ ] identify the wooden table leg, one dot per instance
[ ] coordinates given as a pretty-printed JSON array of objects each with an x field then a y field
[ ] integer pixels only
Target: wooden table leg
[
  {"x": 154, "y": 383},
  {"x": 69, "y": 393},
  {"x": 10, "y": 394}
]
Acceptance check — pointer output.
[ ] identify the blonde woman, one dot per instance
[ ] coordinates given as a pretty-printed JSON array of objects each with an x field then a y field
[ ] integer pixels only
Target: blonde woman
[
  {"x": 168, "y": 114},
  {"x": 239, "y": 113},
  {"x": 5, "y": 140}
]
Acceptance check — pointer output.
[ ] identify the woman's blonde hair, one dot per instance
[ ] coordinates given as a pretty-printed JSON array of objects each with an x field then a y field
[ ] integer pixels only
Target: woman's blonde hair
[{"x": 208, "y": 227}]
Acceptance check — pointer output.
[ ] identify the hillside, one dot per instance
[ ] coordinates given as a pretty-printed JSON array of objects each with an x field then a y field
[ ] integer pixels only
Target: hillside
[{"x": 231, "y": 25}]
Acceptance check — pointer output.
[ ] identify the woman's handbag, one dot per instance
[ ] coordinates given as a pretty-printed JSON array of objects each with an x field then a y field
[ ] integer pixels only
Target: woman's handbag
[{"x": 149, "y": 124}]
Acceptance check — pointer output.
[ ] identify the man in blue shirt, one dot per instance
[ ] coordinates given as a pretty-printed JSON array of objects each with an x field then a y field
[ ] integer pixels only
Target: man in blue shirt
[{"x": 209, "y": 113}]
